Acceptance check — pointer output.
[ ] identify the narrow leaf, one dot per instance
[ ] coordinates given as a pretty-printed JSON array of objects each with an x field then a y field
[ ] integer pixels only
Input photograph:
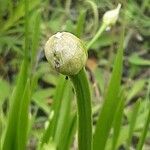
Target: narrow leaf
[
  {"x": 110, "y": 103},
  {"x": 132, "y": 123},
  {"x": 64, "y": 116},
  {"x": 24, "y": 118},
  {"x": 50, "y": 131},
  {"x": 10, "y": 140},
  {"x": 70, "y": 130},
  {"x": 80, "y": 23},
  {"x": 144, "y": 132},
  {"x": 136, "y": 60},
  {"x": 118, "y": 122}
]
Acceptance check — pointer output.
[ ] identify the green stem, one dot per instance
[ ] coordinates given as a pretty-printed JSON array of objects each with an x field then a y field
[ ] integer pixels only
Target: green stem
[
  {"x": 82, "y": 90},
  {"x": 97, "y": 35}
]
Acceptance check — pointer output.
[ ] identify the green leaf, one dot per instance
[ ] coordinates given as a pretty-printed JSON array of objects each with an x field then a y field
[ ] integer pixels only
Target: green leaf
[
  {"x": 144, "y": 132},
  {"x": 147, "y": 122},
  {"x": 10, "y": 139},
  {"x": 35, "y": 38},
  {"x": 49, "y": 146},
  {"x": 50, "y": 131},
  {"x": 136, "y": 60},
  {"x": 40, "y": 97},
  {"x": 64, "y": 116},
  {"x": 118, "y": 122},
  {"x": 100, "y": 79},
  {"x": 23, "y": 118},
  {"x": 69, "y": 132},
  {"x": 80, "y": 23},
  {"x": 110, "y": 105},
  {"x": 135, "y": 89},
  {"x": 4, "y": 86},
  {"x": 132, "y": 123}
]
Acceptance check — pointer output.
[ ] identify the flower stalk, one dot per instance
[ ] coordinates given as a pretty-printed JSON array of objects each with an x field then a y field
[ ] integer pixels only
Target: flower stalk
[
  {"x": 67, "y": 55},
  {"x": 109, "y": 18},
  {"x": 82, "y": 90}
]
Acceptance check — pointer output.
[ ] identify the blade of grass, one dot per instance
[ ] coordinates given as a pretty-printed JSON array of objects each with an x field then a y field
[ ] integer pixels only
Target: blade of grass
[
  {"x": 69, "y": 132},
  {"x": 24, "y": 118},
  {"x": 64, "y": 116},
  {"x": 66, "y": 123},
  {"x": 10, "y": 139},
  {"x": 144, "y": 132},
  {"x": 60, "y": 90},
  {"x": 80, "y": 23},
  {"x": 26, "y": 50},
  {"x": 137, "y": 60},
  {"x": 10, "y": 7},
  {"x": 132, "y": 123},
  {"x": 136, "y": 88},
  {"x": 36, "y": 36},
  {"x": 1, "y": 127},
  {"x": 147, "y": 122},
  {"x": 118, "y": 121},
  {"x": 110, "y": 103},
  {"x": 50, "y": 131},
  {"x": 15, "y": 101},
  {"x": 38, "y": 97}
]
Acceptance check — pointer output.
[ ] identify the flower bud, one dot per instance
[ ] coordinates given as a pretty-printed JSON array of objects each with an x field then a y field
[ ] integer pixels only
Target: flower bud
[
  {"x": 65, "y": 53},
  {"x": 111, "y": 16}
]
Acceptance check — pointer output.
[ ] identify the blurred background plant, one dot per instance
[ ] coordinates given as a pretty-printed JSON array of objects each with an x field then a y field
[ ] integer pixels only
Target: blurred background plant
[{"x": 37, "y": 106}]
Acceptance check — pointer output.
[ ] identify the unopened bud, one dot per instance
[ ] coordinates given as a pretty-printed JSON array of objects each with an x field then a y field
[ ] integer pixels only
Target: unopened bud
[
  {"x": 111, "y": 16},
  {"x": 65, "y": 53}
]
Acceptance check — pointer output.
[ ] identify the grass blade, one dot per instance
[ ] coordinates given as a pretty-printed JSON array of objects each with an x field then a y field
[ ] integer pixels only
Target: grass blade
[
  {"x": 110, "y": 103},
  {"x": 80, "y": 23},
  {"x": 57, "y": 103},
  {"x": 10, "y": 139},
  {"x": 144, "y": 132},
  {"x": 64, "y": 116},
  {"x": 69, "y": 132},
  {"x": 147, "y": 122},
  {"x": 24, "y": 118},
  {"x": 132, "y": 123},
  {"x": 35, "y": 37},
  {"x": 118, "y": 122},
  {"x": 50, "y": 131}
]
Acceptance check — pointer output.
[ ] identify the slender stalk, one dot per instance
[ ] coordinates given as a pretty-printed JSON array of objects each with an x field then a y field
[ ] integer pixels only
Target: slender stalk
[
  {"x": 82, "y": 90},
  {"x": 97, "y": 35},
  {"x": 144, "y": 132}
]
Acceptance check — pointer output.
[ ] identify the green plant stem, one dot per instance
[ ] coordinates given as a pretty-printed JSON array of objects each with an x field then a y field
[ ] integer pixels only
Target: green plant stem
[
  {"x": 50, "y": 131},
  {"x": 82, "y": 90},
  {"x": 97, "y": 35},
  {"x": 144, "y": 132}
]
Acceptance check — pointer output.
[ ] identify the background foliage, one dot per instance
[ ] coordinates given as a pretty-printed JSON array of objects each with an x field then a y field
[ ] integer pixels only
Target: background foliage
[{"x": 37, "y": 105}]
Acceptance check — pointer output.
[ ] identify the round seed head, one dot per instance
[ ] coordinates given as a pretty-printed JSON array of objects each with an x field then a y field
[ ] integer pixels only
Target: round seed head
[{"x": 65, "y": 53}]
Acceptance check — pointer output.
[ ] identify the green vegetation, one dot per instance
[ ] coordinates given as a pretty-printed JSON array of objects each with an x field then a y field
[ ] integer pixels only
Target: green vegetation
[{"x": 38, "y": 106}]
